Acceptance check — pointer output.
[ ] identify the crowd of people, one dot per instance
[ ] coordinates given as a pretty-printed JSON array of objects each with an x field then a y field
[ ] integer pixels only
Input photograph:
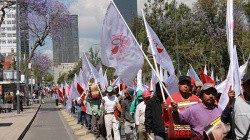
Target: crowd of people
[{"x": 142, "y": 115}]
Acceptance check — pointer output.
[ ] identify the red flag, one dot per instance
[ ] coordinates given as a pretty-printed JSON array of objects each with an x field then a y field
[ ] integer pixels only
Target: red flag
[
  {"x": 205, "y": 78},
  {"x": 123, "y": 87},
  {"x": 63, "y": 91},
  {"x": 79, "y": 88},
  {"x": 60, "y": 94}
]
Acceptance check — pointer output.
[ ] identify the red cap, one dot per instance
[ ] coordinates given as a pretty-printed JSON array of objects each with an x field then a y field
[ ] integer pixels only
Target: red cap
[
  {"x": 192, "y": 81},
  {"x": 146, "y": 94}
]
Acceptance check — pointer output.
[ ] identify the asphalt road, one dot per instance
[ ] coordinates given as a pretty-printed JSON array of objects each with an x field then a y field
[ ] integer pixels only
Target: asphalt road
[{"x": 49, "y": 124}]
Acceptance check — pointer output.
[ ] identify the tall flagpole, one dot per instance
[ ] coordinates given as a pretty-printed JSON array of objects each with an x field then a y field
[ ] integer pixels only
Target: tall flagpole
[
  {"x": 143, "y": 52},
  {"x": 176, "y": 39}
]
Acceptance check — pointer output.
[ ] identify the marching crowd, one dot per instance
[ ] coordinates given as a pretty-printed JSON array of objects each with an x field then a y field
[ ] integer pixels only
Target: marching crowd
[{"x": 146, "y": 115}]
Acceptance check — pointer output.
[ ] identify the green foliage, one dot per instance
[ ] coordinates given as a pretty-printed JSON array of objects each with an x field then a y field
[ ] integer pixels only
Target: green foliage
[{"x": 201, "y": 33}]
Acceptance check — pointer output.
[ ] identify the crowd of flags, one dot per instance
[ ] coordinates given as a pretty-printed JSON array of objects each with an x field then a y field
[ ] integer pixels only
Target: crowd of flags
[{"x": 121, "y": 51}]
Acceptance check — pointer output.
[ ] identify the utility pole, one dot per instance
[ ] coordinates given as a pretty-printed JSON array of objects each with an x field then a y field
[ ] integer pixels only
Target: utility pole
[{"x": 17, "y": 52}]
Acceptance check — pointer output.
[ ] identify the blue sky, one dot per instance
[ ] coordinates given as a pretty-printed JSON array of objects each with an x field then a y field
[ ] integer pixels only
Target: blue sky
[{"x": 90, "y": 17}]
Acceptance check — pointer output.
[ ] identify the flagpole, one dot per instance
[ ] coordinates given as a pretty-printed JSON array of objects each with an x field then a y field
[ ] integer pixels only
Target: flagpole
[
  {"x": 142, "y": 52},
  {"x": 92, "y": 73},
  {"x": 156, "y": 75},
  {"x": 153, "y": 53}
]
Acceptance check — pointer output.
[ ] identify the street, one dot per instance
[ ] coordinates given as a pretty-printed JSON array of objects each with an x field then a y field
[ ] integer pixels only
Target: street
[{"x": 49, "y": 124}]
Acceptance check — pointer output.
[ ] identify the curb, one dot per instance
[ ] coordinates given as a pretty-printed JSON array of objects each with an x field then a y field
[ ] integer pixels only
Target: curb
[{"x": 28, "y": 126}]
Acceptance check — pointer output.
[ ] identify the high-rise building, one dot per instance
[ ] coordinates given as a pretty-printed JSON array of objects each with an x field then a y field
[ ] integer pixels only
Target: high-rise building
[
  {"x": 8, "y": 32},
  {"x": 128, "y": 9},
  {"x": 66, "y": 49}
]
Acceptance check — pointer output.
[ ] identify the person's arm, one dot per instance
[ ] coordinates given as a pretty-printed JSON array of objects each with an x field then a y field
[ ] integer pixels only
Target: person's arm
[
  {"x": 226, "y": 115},
  {"x": 132, "y": 108},
  {"x": 148, "y": 118},
  {"x": 123, "y": 112},
  {"x": 137, "y": 112}
]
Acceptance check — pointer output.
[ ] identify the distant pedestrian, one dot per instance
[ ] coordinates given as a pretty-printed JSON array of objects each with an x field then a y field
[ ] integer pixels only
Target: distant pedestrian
[{"x": 56, "y": 98}]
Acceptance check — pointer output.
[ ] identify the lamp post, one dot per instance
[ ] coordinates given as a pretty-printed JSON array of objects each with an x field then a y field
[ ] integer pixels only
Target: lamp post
[{"x": 17, "y": 52}]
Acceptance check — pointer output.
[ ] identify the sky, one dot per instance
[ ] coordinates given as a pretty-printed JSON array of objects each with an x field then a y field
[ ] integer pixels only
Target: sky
[{"x": 90, "y": 18}]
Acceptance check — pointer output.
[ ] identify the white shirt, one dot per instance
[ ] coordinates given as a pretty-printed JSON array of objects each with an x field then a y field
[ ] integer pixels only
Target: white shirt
[
  {"x": 140, "y": 113},
  {"x": 110, "y": 102}
]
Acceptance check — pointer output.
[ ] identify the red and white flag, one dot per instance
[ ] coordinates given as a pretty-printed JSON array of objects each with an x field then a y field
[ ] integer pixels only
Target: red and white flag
[
  {"x": 158, "y": 50},
  {"x": 119, "y": 48}
]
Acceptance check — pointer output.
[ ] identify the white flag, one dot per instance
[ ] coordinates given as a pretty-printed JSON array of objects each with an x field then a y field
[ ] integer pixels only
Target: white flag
[
  {"x": 172, "y": 84},
  {"x": 105, "y": 79},
  {"x": 154, "y": 80},
  {"x": 237, "y": 74},
  {"x": 73, "y": 92},
  {"x": 119, "y": 48},
  {"x": 205, "y": 70},
  {"x": 193, "y": 74},
  {"x": 88, "y": 69},
  {"x": 139, "y": 80},
  {"x": 158, "y": 50},
  {"x": 212, "y": 74},
  {"x": 161, "y": 73}
]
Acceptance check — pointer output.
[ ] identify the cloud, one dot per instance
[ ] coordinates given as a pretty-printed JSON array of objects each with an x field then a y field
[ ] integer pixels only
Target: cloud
[
  {"x": 49, "y": 53},
  {"x": 90, "y": 16}
]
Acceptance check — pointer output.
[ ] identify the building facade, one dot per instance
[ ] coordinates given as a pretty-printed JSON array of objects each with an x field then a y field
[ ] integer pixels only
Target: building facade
[
  {"x": 8, "y": 32},
  {"x": 66, "y": 49},
  {"x": 128, "y": 9},
  {"x": 62, "y": 68}
]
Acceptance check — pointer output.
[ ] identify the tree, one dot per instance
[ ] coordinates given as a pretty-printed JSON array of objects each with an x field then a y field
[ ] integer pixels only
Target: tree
[
  {"x": 201, "y": 32},
  {"x": 41, "y": 65}
]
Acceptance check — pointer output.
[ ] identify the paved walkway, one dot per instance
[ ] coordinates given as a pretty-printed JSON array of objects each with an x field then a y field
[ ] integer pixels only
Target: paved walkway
[
  {"x": 49, "y": 125},
  {"x": 12, "y": 125}
]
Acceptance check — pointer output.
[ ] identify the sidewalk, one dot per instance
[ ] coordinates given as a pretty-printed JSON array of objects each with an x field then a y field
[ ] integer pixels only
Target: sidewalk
[{"x": 13, "y": 125}]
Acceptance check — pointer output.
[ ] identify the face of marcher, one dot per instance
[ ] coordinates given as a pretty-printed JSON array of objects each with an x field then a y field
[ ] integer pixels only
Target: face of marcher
[
  {"x": 246, "y": 87},
  {"x": 184, "y": 86},
  {"x": 209, "y": 97},
  {"x": 110, "y": 93}
]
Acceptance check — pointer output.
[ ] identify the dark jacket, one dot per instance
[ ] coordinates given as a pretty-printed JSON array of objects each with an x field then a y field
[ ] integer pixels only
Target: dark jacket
[
  {"x": 125, "y": 116},
  {"x": 153, "y": 116}
]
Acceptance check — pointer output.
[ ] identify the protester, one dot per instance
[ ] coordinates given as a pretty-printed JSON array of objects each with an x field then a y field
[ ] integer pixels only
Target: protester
[
  {"x": 80, "y": 118},
  {"x": 56, "y": 98},
  {"x": 126, "y": 118},
  {"x": 238, "y": 110},
  {"x": 153, "y": 115},
  {"x": 88, "y": 114},
  {"x": 140, "y": 116},
  {"x": 200, "y": 115},
  {"x": 138, "y": 100},
  {"x": 109, "y": 102},
  {"x": 181, "y": 96},
  {"x": 96, "y": 111}
]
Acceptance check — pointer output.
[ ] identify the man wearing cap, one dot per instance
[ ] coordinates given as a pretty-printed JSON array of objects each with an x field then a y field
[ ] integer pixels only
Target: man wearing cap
[
  {"x": 126, "y": 118},
  {"x": 200, "y": 115},
  {"x": 140, "y": 116},
  {"x": 182, "y": 96},
  {"x": 238, "y": 111},
  {"x": 109, "y": 102}
]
